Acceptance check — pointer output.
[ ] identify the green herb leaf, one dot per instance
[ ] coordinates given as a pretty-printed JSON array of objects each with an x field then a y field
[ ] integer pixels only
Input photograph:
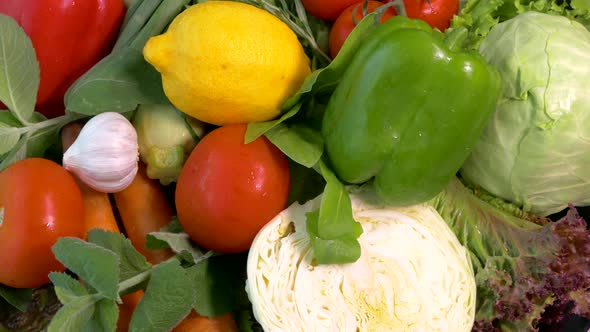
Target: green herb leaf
[
  {"x": 17, "y": 297},
  {"x": 9, "y": 134},
  {"x": 131, "y": 262},
  {"x": 332, "y": 229},
  {"x": 180, "y": 243},
  {"x": 118, "y": 83},
  {"x": 106, "y": 313},
  {"x": 168, "y": 298},
  {"x": 19, "y": 70},
  {"x": 66, "y": 287},
  {"x": 335, "y": 219},
  {"x": 7, "y": 118},
  {"x": 96, "y": 266},
  {"x": 9, "y": 137},
  {"x": 257, "y": 129},
  {"x": 74, "y": 315},
  {"x": 299, "y": 142},
  {"x": 331, "y": 251},
  {"x": 217, "y": 282},
  {"x": 17, "y": 152}
]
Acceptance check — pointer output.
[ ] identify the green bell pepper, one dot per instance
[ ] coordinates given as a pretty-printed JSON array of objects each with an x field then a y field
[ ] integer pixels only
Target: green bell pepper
[{"x": 407, "y": 111}]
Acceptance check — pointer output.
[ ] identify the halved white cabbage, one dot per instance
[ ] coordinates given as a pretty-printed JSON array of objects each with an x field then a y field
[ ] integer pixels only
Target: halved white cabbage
[{"x": 413, "y": 274}]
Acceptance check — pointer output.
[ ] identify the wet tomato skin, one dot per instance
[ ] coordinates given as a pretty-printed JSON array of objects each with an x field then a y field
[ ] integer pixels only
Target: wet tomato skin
[
  {"x": 39, "y": 202},
  {"x": 227, "y": 190}
]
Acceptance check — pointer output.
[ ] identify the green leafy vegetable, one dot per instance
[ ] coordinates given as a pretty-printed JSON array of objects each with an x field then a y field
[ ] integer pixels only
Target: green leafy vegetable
[
  {"x": 19, "y": 70},
  {"x": 217, "y": 283},
  {"x": 525, "y": 273},
  {"x": 104, "y": 317},
  {"x": 124, "y": 77},
  {"x": 96, "y": 265},
  {"x": 538, "y": 48},
  {"x": 18, "y": 297},
  {"x": 167, "y": 300},
  {"x": 333, "y": 230},
  {"x": 131, "y": 262},
  {"x": 299, "y": 142},
  {"x": 207, "y": 282},
  {"x": 9, "y": 137},
  {"x": 66, "y": 287},
  {"x": 74, "y": 315},
  {"x": 479, "y": 16}
]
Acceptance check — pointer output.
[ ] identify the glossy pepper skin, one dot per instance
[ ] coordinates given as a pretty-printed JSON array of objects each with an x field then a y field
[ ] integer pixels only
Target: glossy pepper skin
[
  {"x": 69, "y": 37},
  {"x": 407, "y": 112}
]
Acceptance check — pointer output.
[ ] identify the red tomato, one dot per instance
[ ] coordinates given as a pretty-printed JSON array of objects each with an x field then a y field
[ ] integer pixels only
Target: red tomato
[
  {"x": 228, "y": 190},
  {"x": 437, "y": 13},
  {"x": 39, "y": 202},
  {"x": 344, "y": 23},
  {"x": 327, "y": 10}
]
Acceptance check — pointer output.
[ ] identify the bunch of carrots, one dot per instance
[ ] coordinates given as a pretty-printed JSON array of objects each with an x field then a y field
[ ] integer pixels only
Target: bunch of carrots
[{"x": 136, "y": 211}]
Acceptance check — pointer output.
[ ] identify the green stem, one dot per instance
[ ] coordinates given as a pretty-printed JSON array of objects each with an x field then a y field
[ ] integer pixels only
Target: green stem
[
  {"x": 60, "y": 121},
  {"x": 137, "y": 279}
]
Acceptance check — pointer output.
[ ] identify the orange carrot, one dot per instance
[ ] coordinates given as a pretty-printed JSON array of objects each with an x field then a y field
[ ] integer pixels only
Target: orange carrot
[
  {"x": 143, "y": 208},
  {"x": 98, "y": 212},
  {"x": 197, "y": 323},
  {"x": 126, "y": 309}
]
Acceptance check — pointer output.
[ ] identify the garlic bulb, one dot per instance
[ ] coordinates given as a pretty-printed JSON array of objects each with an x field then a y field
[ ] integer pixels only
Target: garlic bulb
[{"x": 105, "y": 155}]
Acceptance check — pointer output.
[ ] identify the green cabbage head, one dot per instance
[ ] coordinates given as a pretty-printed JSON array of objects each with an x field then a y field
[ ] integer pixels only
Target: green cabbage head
[{"x": 535, "y": 150}]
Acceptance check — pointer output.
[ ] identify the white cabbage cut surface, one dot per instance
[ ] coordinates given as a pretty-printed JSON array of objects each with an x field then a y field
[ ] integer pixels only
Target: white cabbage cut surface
[{"x": 413, "y": 274}]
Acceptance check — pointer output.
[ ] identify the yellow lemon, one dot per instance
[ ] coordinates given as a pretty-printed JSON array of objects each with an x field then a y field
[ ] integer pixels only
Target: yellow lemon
[{"x": 226, "y": 62}]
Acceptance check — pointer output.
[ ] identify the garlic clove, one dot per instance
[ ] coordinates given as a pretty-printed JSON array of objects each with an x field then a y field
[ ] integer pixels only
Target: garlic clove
[{"x": 105, "y": 155}]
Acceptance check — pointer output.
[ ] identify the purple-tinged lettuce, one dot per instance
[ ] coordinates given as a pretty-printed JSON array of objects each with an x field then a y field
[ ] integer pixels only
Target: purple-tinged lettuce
[{"x": 526, "y": 273}]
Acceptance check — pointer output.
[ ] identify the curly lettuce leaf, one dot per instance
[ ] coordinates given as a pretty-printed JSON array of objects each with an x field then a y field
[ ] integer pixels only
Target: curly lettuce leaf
[
  {"x": 479, "y": 16},
  {"x": 525, "y": 273}
]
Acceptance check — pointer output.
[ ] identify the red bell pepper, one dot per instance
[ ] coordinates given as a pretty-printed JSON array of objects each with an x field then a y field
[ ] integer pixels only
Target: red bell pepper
[{"x": 69, "y": 37}]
